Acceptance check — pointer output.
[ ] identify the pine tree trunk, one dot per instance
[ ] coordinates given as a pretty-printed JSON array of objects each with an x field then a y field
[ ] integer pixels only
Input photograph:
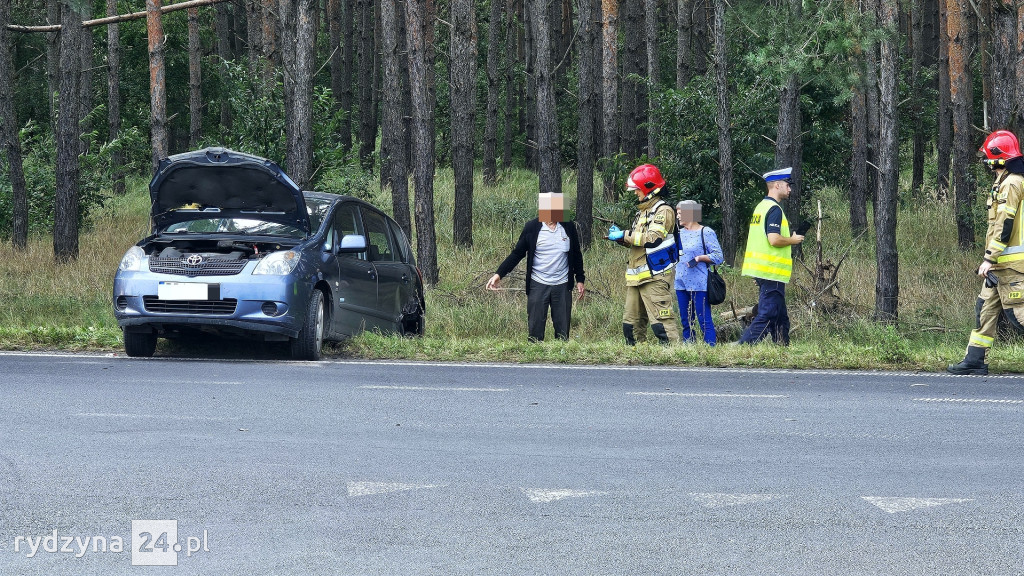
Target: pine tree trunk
[
  {"x": 335, "y": 48},
  {"x": 347, "y": 60},
  {"x": 530, "y": 106},
  {"x": 85, "y": 83},
  {"x": 871, "y": 97},
  {"x": 393, "y": 129},
  {"x": 53, "y": 16},
  {"x": 508, "y": 134},
  {"x": 887, "y": 257},
  {"x": 725, "y": 176},
  {"x": 10, "y": 144},
  {"x": 587, "y": 78},
  {"x": 917, "y": 90},
  {"x": 960, "y": 98},
  {"x": 367, "y": 113},
  {"x": 157, "y": 85},
  {"x": 701, "y": 24},
  {"x": 490, "y": 162},
  {"x": 419, "y": 21},
  {"x": 944, "y": 146},
  {"x": 65, "y": 205},
  {"x": 114, "y": 98},
  {"x": 547, "y": 118},
  {"x": 632, "y": 31},
  {"x": 271, "y": 54},
  {"x": 224, "y": 53},
  {"x": 1005, "y": 60},
  {"x": 195, "y": 85},
  {"x": 684, "y": 22},
  {"x": 858, "y": 135},
  {"x": 653, "y": 76},
  {"x": 254, "y": 33},
  {"x": 610, "y": 95},
  {"x": 463, "y": 103},
  {"x": 300, "y": 154}
]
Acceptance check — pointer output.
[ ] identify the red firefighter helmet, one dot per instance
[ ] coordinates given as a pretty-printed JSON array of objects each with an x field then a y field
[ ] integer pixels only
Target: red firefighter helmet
[
  {"x": 646, "y": 178},
  {"x": 1001, "y": 145}
]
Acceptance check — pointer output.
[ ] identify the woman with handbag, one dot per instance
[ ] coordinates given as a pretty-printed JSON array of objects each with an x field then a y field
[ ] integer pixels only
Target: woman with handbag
[{"x": 698, "y": 249}]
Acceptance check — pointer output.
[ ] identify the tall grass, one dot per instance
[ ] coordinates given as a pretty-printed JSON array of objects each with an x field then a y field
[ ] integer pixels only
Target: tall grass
[{"x": 47, "y": 305}]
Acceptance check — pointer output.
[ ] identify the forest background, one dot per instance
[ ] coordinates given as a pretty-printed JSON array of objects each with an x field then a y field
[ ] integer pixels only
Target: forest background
[{"x": 455, "y": 113}]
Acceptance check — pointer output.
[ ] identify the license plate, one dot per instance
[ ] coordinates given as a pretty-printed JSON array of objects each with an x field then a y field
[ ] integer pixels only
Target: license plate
[{"x": 188, "y": 291}]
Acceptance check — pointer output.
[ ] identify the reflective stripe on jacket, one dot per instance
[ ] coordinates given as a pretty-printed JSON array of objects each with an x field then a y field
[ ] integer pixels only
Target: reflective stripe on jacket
[{"x": 762, "y": 260}]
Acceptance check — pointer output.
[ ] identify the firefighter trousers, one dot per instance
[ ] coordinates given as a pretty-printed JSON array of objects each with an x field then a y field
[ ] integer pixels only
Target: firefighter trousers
[
  {"x": 1006, "y": 298},
  {"x": 650, "y": 304}
]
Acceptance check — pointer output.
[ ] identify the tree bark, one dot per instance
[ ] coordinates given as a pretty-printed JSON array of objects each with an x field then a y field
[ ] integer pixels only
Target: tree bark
[
  {"x": 684, "y": 21},
  {"x": 944, "y": 146},
  {"x": 610, "y": 94},
  {"x": 53, "y": 16},
  {"x": 871, "y": 8},
  {"x": 1019, "y": 112},
  {"x": 653, "y": 76},
  {"x": 788, "y": 149},
  {"x": 298, "y": 56},
  {"x": 547, "y": 117},
  {"x": 858, "y": 136},
  {"x": 587, "y": 78},
  {"x": 85, "y": 83},
  {"x": 224, "y": 53},
  {"x": 490, "y": 160},
  {"x": 632, "y": 31},
  {"x": 725, "y": 176},
  {"x": 917, "y": 17},
  {"x": 960, "y": 97},
  {"x": 510, "y": 85},
  {"x": 157, "y": 86},
  {"x": 367, "y": 113},
  {"x": 529, "y": 108},
  {"x": 65, "y": 206},
  {"x": 347, "y": 55},
  {"x": 114, "y": 98},
  {"x": 887, "y": 281},
  {"x": 195, "y": 85},
  {"x": 463, "y": 104},
  {"x": 1005, "y": 59},
  {"x": 254, "y": 33},
  {"x": 419, "y": 37},
  {"x": 393, "y": 128},
  {"x": 271, "y": 54},
  {"x": 9, "y": 140}
]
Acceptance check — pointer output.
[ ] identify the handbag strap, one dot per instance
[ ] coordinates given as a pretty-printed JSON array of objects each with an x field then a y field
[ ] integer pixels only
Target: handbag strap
[{"x": 704, "y": 244}]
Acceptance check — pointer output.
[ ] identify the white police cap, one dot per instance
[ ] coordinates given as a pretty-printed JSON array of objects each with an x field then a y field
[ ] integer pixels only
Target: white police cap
[{"x": 780, "y": 174}]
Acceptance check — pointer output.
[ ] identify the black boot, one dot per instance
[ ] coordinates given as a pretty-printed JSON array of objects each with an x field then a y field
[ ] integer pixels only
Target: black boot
[
  {"x": 973, "y": 363},
  {"x": 659, "y": 331},
  {"x": 627, "y": 331}
]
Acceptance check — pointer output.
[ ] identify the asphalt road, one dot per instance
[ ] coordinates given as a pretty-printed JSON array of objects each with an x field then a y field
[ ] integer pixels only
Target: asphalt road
[{"x": 410, "y": 468}]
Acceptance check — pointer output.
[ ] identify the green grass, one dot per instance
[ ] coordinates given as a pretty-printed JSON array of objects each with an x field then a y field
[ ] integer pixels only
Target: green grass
[{"x": 67, "y": 307}]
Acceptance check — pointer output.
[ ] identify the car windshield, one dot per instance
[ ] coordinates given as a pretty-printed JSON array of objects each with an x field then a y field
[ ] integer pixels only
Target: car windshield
[
  {"x": 317, "y": 208},
  {"x": 235, "y": 226}
]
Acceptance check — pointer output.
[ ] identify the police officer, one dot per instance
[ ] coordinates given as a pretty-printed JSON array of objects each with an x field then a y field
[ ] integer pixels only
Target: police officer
[
  {"x": 1003, "y": 265},
  {"x": 769, "y": 260},
  {"x": 652, "y": 256}
]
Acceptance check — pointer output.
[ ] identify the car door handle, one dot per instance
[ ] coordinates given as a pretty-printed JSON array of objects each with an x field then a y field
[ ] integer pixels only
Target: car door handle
[
  {"x": 405, "y": 278},
  {"x": 372, "y": 274}
]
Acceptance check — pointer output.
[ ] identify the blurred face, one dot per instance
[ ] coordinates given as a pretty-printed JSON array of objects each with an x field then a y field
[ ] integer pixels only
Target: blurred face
[
  {"x": 551, "y": 207},
  {"x": 688, "y": 214}
]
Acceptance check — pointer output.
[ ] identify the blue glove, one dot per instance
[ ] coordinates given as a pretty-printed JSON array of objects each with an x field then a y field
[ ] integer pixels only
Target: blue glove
[{"x": 614, "y": 233}]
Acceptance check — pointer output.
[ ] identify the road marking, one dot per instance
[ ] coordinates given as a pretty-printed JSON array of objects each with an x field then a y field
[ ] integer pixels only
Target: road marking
[
  {"x": 706, "y": 395},
  {"x": 372, "y": 488},
  {"x": 721, "y": 500},
  {"x": 152, "y": 416},
  {"x": 970, "y": 400},
  {"x": 544, "y": 496},
  {"x": 433, "y": 388},
  {"x": 894, "y": 505}
]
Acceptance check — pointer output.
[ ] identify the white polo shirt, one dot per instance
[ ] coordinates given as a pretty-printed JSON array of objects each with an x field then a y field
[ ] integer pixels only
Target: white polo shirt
[{"x": 551, "y": 260}]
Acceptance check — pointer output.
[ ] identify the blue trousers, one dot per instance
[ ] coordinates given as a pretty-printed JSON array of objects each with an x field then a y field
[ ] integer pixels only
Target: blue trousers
[
  {"x": 772, "y": 318},
  {"x": 694, "y": 308}
]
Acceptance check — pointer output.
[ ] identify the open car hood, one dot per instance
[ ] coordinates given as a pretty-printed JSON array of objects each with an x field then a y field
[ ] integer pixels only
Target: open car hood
[{"x": 222, "y": 183}]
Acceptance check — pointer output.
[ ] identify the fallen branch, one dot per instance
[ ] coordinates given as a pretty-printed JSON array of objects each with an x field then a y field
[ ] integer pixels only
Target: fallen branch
[{"x": 116, "y": 19}]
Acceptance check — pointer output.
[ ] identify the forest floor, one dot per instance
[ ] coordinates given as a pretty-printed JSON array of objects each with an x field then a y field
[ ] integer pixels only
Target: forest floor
[{"x": 68, "y": 307}]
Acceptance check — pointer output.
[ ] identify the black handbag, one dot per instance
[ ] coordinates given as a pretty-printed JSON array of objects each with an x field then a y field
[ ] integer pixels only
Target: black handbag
[{"x": 716, "y": 284}]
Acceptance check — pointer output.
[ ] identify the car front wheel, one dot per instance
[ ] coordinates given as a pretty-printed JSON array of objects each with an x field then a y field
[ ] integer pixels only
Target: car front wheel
[
  {"x": 139, "y": 344},
  {"x": 308, "y": 344}
]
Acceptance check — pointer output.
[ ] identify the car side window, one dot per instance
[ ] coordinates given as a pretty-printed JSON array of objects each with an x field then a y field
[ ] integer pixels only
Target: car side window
[
  {"x": 401, "y": 242},
  {"x": 346, "y": 221},
  {"x": 379, "y": 246}
]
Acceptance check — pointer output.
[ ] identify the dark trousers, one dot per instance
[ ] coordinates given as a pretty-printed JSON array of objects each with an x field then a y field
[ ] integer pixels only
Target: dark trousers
[
  {"x": 539, "y": 298},
  {"x": 695, "y": 309},
  {"x": 772, "y": 317}
]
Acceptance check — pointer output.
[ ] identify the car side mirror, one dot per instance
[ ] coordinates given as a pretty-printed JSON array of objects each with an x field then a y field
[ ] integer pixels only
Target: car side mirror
[{"x": 352, "y": 244}]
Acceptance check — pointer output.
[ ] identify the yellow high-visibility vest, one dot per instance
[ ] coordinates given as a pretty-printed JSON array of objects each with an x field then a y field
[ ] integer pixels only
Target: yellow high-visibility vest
[{"x": 762, "y": 260}]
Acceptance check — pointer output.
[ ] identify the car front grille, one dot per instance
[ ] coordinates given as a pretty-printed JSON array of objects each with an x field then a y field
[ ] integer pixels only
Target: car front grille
[
  {"x": 201, "y": 307},
  {"x": 208, "y": 267}
]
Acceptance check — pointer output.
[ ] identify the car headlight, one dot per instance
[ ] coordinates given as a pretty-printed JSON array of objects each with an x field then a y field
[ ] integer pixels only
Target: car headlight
[
  {"x": 132, "y": 260},
  {"x": 278, "y": 263}
]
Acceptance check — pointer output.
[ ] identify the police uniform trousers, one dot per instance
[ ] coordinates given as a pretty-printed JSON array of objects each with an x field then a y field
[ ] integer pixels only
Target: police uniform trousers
[
  {"x": 1006, "y": 298},
  {"x": 539, "y": 298},
  {"x": 650, "y": 303},
  {"x": 772, "y": 317}
]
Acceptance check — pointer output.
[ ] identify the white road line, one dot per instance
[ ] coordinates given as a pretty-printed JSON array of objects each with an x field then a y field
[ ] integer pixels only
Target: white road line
[
  {"x": 147, "y": 416},
  {"x": 706, "y": 395},
  {"x": 373, "y": 488},
  {"x": 970, "y": 400},
  {"x": 432, "y": 388},
  {"x": 894, "y": 505},
  {"x": 544, "y": 496},
  {"x": 721, "y": 500}
]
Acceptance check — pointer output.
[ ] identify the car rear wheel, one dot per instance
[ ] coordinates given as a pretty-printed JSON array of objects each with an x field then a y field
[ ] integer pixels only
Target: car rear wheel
[
  {"x": 310, "y": 341},
  {"x": 139, "y": 344}
]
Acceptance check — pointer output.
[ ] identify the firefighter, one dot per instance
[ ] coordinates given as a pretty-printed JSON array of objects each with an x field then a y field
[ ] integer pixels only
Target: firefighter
[
  {"x": 769, "y": 260},
  {"x": 1002, "y": 267},
  {"x": 653, "y": 252}
]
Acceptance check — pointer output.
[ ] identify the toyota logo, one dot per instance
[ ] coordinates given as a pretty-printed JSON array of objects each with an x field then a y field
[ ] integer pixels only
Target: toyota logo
[{"x": 193, "y": 260}]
